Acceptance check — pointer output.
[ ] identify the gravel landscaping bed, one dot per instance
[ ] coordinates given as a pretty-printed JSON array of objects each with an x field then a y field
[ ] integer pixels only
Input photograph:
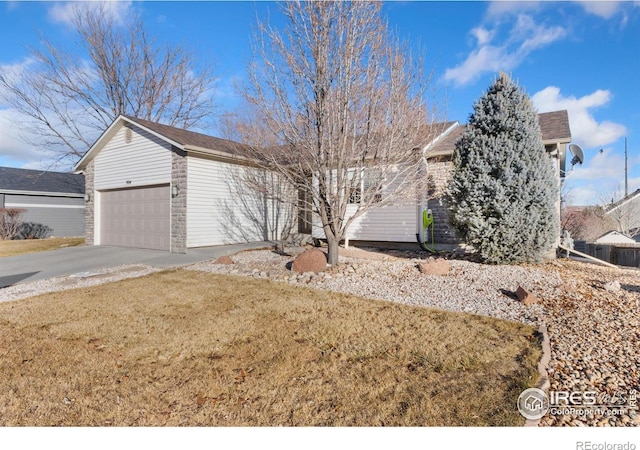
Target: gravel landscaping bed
[
  {"x": 594, "y": 329},
  {"x": 470, "y": 287}
]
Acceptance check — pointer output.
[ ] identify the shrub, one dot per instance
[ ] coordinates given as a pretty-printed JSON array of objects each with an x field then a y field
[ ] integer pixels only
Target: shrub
[
  {"x": 33, "y": 230},
  {"x": 10, "y": 220},
  {"x": 503, "y": 198}
]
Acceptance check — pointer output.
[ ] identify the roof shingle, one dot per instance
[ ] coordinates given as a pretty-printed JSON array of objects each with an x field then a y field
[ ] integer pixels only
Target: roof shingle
[
  {"x": 12, "y": 179},
  {"x": 188, "y": 138},
  {"x": 553, "y": 125}
]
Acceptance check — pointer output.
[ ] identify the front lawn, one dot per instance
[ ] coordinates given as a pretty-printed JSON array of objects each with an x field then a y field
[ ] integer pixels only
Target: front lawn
[
  {"x": 19, "y": 247},
  {"x": 191, "y": 348}
]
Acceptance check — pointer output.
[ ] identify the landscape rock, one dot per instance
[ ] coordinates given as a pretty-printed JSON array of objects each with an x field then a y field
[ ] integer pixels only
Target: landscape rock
[
  {"x": 526, "y": 297},
  {"x": 612, "y": 286},
  {"x": 434, "y": 267},
  {"x": 224, "y": 260},
  {"x": 312, "y": 260}
]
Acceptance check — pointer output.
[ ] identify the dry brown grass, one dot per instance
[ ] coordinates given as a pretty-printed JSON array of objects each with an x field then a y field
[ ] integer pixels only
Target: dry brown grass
[
  {"x": 190, "y": 348},
  {"x": 19, "y": 247}
]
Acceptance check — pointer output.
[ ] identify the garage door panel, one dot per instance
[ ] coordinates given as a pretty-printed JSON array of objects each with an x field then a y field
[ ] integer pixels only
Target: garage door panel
[{"x": 138, "y": 217}]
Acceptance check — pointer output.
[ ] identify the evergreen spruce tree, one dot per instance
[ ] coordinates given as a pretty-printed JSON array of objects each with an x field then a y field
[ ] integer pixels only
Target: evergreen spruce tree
[{"x": 503, "y": 196}]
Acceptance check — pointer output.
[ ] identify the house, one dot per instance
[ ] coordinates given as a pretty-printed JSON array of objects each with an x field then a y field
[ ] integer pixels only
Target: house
[
  {"x": 158, "y": 187},
  {"x": 625, "y": 213},
  {"x": 54, "y": 199},
  {"x": 615, "y": 237}
]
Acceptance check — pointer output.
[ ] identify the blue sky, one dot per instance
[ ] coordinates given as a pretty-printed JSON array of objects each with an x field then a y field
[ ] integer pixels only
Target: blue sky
[{"x": 579, "y": 56}]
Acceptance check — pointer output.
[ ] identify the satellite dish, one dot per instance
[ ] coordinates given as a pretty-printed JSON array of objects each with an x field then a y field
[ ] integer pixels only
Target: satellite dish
[{"x": 578, "y": 155}]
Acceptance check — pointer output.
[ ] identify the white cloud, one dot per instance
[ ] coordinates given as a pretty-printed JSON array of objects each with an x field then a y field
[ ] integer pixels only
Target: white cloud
[
  {"x": 585, "y": 129},
  {"x": 600, "y": 178},
  {"x": 604, "y": 9},
  {"x": 11, "y": 145},
  {"x": 65, "y": 12},
  {"x": 501, "y": 8},
  {"x": 524, "y": 37},
  {"x": 483, "y": 35}
]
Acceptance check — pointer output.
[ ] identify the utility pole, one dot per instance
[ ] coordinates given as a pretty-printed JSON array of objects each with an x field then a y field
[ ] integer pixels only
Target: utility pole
[{"x": 626, "y": 181}]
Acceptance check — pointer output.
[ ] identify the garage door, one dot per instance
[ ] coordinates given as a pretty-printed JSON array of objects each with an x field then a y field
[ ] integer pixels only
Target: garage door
[{"x": 138, "y": 217}]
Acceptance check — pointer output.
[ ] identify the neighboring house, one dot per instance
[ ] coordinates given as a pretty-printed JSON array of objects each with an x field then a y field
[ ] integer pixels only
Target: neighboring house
[
  {"x": 54, "y": 199},
  {"x": 625, "y": 213},
  {"x": 158, "y": 187},
  {"x": 615, "y": 237}
]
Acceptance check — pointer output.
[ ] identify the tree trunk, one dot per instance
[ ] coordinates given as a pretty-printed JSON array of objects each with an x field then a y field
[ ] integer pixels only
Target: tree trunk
[{"x": 332, "y": 256}]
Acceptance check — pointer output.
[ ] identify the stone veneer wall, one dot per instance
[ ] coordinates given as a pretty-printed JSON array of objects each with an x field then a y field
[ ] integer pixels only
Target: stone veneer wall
[
  {"x": 179, "y": 203},
  {"x": 89, "y": 205},
  {"x": 439, "y": 173}
]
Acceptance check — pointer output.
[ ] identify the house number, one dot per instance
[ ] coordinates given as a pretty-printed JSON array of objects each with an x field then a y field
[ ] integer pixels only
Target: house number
[{"x": 128, "y": 181}]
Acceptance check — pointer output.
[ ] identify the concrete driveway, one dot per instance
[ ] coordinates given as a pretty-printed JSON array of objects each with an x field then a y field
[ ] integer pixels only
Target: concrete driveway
[{"x": 68, "y": 261}]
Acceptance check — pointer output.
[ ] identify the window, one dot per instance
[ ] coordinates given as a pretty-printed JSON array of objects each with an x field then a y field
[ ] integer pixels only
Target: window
[{"x": 370, "y": 185}]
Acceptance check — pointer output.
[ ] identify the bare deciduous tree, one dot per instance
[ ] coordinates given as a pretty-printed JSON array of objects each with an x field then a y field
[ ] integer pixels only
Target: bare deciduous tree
[
  {"x": 70, "y": 95},
  {"x": 345, "y": 103},
  {"x": 587, "y": 223},
  {"x": 10, "y": 221}
]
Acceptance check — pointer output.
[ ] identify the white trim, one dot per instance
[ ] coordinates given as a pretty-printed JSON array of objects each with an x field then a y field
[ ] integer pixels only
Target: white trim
[
  {"x": 97, "y": 208},
  {"x": 36, "y": 193},
  {"x": 155, "y": 133},
  {"x": 624, "y": 201},
  {"x": 41, "y": 205},
  {"x": 441, "y": 136},
  {"x": 108, "y": 135}
]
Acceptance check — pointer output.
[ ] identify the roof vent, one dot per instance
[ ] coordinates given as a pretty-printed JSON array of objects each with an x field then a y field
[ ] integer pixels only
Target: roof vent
[{"x": 128, "y": 135}]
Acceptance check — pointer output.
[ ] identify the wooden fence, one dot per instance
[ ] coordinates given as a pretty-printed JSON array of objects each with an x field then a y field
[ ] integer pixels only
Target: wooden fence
[{"x": 618, "y": 254}]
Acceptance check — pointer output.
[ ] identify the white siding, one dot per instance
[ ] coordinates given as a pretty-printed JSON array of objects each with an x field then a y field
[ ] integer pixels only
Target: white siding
[
  {"x": 392, "y": 223},
  {"x": 222, "y": 210},
  {"x": 146, "y": 160}
]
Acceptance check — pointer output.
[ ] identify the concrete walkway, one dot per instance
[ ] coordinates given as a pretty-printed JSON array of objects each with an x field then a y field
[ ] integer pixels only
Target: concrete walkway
[{"x": 74, "y": 260}]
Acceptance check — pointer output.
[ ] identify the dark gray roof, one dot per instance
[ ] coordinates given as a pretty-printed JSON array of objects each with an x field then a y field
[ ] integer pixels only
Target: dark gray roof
[
  {"x": 190, "y": 138},
  {"x": 12, "y": 179}
]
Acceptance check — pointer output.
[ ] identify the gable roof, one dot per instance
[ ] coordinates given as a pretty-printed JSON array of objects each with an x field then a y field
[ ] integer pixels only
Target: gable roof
[
  {"x": 623, "y": 201},
  {"x": 446, "y": 145},
  {"x": 622, "y": 238},
  {"x": 189, "y": 141},
  {"x": 25, "y": 180},
  {"x": 553, "y": 125}
]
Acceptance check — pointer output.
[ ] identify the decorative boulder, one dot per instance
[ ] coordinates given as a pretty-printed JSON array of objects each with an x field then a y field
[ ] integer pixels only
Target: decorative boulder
[
  {"x": 527, "y": 298},
  {"x": 312, "y": 260},
  {"x": 224, "y": 260},
  {"x": 434, "y": 267}
]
